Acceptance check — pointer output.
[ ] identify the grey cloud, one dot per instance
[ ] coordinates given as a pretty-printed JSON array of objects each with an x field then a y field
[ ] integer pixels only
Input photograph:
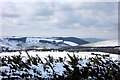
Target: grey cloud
[
  {"x": 44, "y": 12},
  {"x": 7, "y": 15},
  {"x": 64, "y": 20},
  {"x": 43, "y": 9},
  {"x": 66, "y": 6},
  {"x": 100, "y": 6},
  {"x": 9, "y": 10}
]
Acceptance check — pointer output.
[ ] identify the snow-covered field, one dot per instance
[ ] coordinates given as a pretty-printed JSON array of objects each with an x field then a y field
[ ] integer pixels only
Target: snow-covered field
[{"x": 58, "y": 54}]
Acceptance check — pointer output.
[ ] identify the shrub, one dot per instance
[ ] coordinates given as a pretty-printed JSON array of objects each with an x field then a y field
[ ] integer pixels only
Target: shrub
[{"x": 95, "y": 68}]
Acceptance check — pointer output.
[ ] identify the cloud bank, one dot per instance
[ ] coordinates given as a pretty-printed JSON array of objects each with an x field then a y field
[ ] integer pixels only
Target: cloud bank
[{"x": 80, "y": 19}]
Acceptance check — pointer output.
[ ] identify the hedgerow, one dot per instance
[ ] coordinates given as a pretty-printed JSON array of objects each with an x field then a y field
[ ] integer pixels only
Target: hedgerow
[{"x": 76, "y": 68}]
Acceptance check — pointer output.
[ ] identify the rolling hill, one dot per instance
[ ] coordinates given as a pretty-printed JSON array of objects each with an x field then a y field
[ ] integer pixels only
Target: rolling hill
[
  {"x": 103, "y": 43},
  {"x": 16, "y": 43}
]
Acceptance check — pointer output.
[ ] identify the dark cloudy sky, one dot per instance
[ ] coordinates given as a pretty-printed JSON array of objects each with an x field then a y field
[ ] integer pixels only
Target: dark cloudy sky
[{"x": 80, "y": 19}]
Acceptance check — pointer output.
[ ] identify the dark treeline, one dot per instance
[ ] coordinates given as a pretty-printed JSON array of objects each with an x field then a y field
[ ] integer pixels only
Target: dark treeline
[{"x": 109, "y": 49}]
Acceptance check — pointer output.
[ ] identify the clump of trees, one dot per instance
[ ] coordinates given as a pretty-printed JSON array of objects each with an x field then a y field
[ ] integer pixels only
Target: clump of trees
[{"x": 76, "y": 68}]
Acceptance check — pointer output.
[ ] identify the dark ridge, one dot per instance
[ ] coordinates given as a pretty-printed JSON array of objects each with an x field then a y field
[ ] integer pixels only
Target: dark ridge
[
  {"x": 44, "y": 41},
  {"x": 23, "y": 39},
  {"x": 73, "y": 39}
]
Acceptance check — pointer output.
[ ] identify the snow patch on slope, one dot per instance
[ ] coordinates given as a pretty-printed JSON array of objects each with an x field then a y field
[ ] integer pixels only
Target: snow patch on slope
[{"x": 70, "y": 43}]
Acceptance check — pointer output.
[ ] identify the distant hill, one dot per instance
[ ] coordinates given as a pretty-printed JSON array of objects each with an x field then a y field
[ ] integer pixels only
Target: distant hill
[
  {"x": 73, "y": 39},
  {"x": 13, "y": 43},
  {"x": 102, "y": 43},
  {"x": 91, "y": 40}
]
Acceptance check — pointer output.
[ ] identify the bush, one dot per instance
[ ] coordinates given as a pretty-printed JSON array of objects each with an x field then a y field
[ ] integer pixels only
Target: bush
[{"x": 95, "y": 68}]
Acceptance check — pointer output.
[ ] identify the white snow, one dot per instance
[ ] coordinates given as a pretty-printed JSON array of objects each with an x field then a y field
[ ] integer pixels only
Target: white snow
[
  {"x": 70, "y": 43},
  {"x": 59, "y": 68},
  {"x": 103, "y": 43},
  {"x": 58, "y": 41},
  {"x": 83, "y": 62},
  {"x": 57, "y": 54},
  {"x": 4, "y": 68},
  {"x": 48, "y": 39},
  {"x": 32, "y": 40}
]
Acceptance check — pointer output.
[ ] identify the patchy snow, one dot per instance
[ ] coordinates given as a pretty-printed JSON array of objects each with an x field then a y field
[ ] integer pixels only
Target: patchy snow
[
  {"x": 84, "y": 62},
  {"x": 32, "y": 40},
  {"x": 45, "y": 70},
  {"x": 48, "y": 40},
  {"x": 4, "y": 68}
]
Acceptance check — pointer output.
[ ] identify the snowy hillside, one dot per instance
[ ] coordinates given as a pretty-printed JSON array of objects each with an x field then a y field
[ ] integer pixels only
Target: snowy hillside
[
  {"x": 13, "y": 43},
  {"x": 93, "y": 39},
  {"x": 103, "y": 43}
]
